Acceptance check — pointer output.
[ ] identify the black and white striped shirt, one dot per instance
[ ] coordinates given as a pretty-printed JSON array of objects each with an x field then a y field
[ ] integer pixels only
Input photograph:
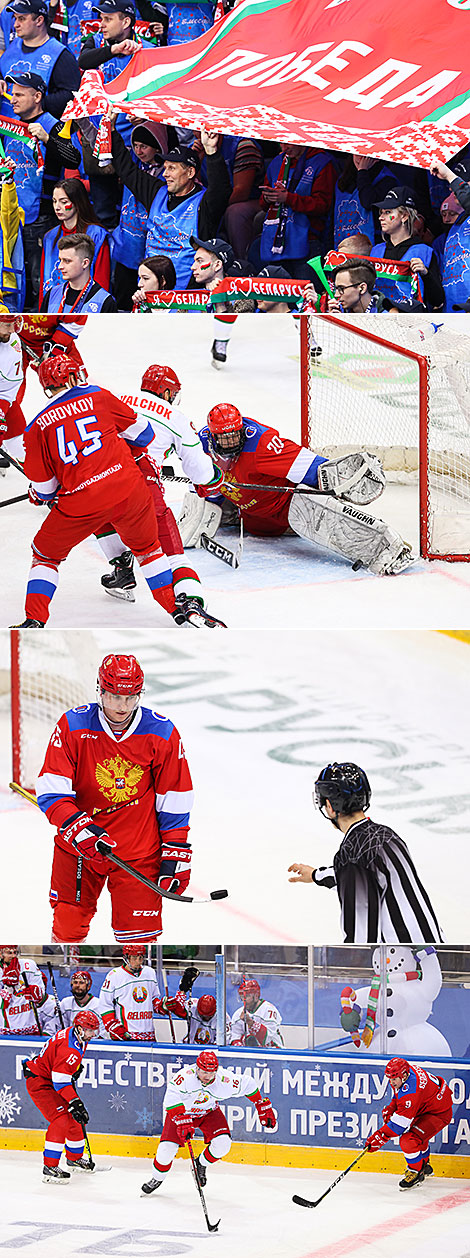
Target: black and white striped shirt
[{"x": 382, "y": 898}]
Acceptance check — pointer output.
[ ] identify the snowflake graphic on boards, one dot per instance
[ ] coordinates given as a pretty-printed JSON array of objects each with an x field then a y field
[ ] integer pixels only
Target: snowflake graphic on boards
[
  {"x": 145, "y": 1119},
  {"x": 117, "y": 1101},
  {"x": 8, "y": 1106}
]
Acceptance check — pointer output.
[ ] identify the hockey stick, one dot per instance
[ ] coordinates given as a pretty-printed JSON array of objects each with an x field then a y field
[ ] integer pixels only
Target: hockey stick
[
  {"x": 9, "y": 501},
  {"x": 56, "y": 997},
  {"x": 302, "y": 1201},
  {"x": 28, "y": 989},
  {"x": 230, "y": 557},
  {"x": 105, "y": 850},
  {"x": 14, "y": 462},
  {"x": 211, "y": 1227},
  {"x": 168, "y": 1014}
]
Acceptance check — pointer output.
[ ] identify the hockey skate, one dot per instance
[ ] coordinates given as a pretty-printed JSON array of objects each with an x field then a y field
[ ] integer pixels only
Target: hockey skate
[
  {"x": 411, "y": 1179},
  {"x": 201, "y": 1173},
  {"x": 151, "y": 1186},
  {"x": 81, "y": 1164},
  {"x": 29, "y": 624},
  {"x": 219, "y": 354},
  {"x": 121, "y": 582},
  {"x": 427, "y": 1170},
  {"x": 54, "y": 1175},
  {"x": 4, "y": 463},
  {"x": 190, "y": 611}
]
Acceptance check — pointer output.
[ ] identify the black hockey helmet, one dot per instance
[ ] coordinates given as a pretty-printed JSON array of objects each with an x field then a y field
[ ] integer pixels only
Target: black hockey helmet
[{"x": 345, "y": 785}]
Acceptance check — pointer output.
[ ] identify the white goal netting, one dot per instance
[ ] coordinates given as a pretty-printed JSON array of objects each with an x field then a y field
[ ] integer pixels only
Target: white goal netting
[
  {"x": 51, "y": 671},
  {"x": 414, "y": 412}
]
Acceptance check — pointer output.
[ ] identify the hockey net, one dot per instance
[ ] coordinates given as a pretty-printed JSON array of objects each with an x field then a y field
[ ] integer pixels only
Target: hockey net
[
  {"x": 403, "y": 395},
  {"x": 50, "y": 673}
]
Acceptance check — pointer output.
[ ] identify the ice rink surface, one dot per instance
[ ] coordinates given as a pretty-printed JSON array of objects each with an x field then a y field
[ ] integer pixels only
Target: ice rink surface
[
  {"x": 283, "y": 582},
  {"x": 260, "y": 715},
  {"x": 106, "y": 1214}
]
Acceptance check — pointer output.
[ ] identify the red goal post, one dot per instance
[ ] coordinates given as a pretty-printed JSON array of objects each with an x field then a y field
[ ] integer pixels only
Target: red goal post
[{"x": 362, "y": 390}]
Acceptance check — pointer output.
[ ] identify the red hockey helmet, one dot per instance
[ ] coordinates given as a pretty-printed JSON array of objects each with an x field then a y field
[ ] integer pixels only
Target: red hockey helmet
[
  {"x": 121, "y": 675},
  {"x": 58, "y": 371},
  {"x": 397, "y": 1068},
  {"x": 227, "y": 431},
  {"x": 11, "y": 323},
  {"x": 83, "y": 974},
  {"x": 134, "y": 950},
  {"x": 86, "y": 1020},
  {"x": 158, "y": 380},
  {"x": 249, "y": 987},
  {"x": 206, "y": 1007},
  {"x": 9, "y": 948},
  {"x": 207, "y": 1060}
]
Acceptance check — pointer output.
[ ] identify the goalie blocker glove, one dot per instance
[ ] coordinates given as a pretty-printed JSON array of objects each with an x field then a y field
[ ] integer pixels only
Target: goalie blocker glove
[
  {"x": 175, "y": 867},
  {"x": 363, "y": 539},
  {"x": 357, "y": 477},
  {"x": 77, "y": 1111},
  {"x": 81, "y": 833}
]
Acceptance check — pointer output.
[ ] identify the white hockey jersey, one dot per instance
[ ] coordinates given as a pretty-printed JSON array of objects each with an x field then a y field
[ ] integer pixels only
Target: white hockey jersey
[
  {"x": 70, "y": 1007},
  {"x": 11, "y": 371},
  {"x": 198, "y": 1099},
  {"x": 263, "y": 1023},
  {"x": 134, "y": 1000},
  {"x": 168, "y": 430},
  {"x": 49, "y": 1020},
  {"x": 200, "y": 1030},
  {"x": 16, "y": 1012}
]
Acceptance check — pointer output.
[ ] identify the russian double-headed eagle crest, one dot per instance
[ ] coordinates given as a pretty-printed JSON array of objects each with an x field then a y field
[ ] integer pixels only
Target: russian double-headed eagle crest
[{"x": 118, "y": 779}]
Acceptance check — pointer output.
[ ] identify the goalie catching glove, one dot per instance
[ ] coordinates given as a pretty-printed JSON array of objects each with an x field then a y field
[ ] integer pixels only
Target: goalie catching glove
[
  {"x": 198, "y": 516},
  {"x": 357, "y": 477},
  {"x": 175, "y": 867},
  {"x": 364, "y": 539},
  {"x": 81, "y": 833}
]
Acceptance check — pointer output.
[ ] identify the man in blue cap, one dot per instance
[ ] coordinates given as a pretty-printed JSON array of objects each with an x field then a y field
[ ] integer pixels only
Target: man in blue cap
[
  {"x": 40, "y": 155},
  {"x": 110, "y": 51},
  {"x": 34, "y": 50}
]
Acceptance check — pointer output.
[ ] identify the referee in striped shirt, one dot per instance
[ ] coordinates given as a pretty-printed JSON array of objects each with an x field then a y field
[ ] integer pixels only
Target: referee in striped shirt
[{"x": 381, "y": 896}]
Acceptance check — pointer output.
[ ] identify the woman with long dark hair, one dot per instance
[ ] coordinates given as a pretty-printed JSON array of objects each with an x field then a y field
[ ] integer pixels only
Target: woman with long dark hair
[{"x": 75, "y": 213}]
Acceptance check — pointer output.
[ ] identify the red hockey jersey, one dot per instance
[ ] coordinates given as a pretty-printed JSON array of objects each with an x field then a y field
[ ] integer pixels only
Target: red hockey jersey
[
  {"x": 138, "y": 784},
  {"x": 73, "y": 448},
  {"x": 58, "y": 1061},
  {"x": 266, "y": 458},
  {"x": 60, "y": 330},
  {"x": 423, "y": 1093}
]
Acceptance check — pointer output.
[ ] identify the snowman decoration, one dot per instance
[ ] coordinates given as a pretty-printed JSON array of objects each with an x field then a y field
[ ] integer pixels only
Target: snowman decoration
[{"x": 414, "y": 980}]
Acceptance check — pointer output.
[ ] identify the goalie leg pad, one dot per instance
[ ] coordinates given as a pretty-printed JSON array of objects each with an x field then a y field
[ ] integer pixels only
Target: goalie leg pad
[
  {"x": 364, "y": 539},
  {"x": 198, "y": 516},
  {"x": 357, "y": 477}
]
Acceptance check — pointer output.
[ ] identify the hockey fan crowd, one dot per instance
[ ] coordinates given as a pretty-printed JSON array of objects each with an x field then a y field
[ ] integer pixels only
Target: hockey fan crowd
[{"x": 171, "y": 211}]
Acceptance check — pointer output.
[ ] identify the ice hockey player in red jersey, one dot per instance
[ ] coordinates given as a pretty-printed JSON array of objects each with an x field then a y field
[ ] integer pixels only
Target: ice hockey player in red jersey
[
  {"x": 172, "y": 431},
  {"x": 115, "y": 771},
  {"x": 50, "y": 1080},
  {"x": 421, "y": 1107},
  {"x": 328, "y": 509},
  {"x": 77, "y": 461},
  {"x": 193, "y": 1100}
]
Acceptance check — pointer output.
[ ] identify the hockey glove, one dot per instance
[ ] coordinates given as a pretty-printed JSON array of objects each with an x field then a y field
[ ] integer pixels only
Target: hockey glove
[
  {"x": 34, "y": 993},
  {"x": 380, "y": 1137},
  {"x": 82, "y": 834},
  {"x": 172, "y": 1004},
  {"x": 34, "y": 498},
  {"x": 184, "y": 1126},
  {"x": 265, "y": 1112},
  {"x": 214, "y": 486},
  {"x": 77, "y": 1111},
  {"x": 115, "y": 1029},
  {"x": 175, "y": 866},
  {"x": 188, "y": 977},
  {"x": 11, "y": 974}
]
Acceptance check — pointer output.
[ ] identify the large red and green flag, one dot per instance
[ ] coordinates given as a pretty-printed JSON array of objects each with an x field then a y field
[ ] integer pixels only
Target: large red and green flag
[{"x": 377, "y": 78}]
